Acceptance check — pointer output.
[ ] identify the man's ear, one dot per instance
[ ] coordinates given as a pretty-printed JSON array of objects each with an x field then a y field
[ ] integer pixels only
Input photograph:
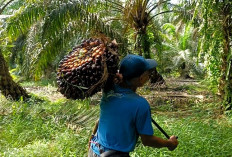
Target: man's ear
[{"x": 140, "y": 79}]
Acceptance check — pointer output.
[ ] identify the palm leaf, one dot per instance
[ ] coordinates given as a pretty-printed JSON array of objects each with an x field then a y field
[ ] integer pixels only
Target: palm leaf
[
  {"x": 59, "y": 26},
  {"x": 4, "y": 5},
  {"x": 59, "y": 18},
  {"x": 21, "y": 22}
]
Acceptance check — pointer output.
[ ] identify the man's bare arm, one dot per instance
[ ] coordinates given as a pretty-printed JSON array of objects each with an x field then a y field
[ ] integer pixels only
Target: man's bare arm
[
  {"x": 153, "y": 141},
  {"x": 94, "y": 131}
]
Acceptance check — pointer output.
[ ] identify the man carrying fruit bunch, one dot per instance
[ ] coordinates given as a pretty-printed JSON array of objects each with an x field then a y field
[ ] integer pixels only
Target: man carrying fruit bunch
[{"x": 125, "y": 115}]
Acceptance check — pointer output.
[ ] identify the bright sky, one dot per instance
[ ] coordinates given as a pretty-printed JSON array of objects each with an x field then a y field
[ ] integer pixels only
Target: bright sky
[{"x": 174, "y": 1}]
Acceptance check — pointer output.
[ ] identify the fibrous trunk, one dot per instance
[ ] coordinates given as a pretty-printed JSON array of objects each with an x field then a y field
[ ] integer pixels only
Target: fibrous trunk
[
  {"x": 156, "y": 78},
  {"x": 225, "y": 85},
  {"x": 9, "y": 88}
]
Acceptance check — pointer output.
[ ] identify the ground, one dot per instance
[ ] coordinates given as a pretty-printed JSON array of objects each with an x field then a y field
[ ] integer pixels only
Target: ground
[
  {"x": 178, "y": 90},
  {"x": 50, "y": 125}
]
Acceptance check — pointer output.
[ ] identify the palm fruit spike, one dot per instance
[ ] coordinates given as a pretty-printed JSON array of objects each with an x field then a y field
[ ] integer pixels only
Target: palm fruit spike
[{"x": 84, "y": 71}]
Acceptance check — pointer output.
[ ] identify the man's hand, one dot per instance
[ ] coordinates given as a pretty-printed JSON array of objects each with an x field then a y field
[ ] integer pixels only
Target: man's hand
[{"x": 172, "y": 143}]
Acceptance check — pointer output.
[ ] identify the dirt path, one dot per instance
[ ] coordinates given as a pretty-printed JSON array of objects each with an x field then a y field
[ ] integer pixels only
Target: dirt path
[
  {"x": 174, "y": 89},
  {"x": 49, "y": 92},
  {"x": 179, "y": 91}
]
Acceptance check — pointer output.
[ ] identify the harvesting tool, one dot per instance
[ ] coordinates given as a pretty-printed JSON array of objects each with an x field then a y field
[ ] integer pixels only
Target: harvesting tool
[{"x": 157, "y": 125}]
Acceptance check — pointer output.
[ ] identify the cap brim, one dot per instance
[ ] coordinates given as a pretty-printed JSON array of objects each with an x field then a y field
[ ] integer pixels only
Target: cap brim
[{"x": 151, "y": 64}]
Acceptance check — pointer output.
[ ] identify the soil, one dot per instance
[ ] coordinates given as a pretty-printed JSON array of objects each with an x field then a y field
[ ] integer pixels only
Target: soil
[
  {"x": 174, "y": 91},
  {"x": 178, "y": 91},
  {"x": 50, "y": 93}
]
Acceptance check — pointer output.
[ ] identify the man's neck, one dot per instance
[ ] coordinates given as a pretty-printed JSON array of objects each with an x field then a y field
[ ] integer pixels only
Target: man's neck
[{"x": 125, "y": 85}]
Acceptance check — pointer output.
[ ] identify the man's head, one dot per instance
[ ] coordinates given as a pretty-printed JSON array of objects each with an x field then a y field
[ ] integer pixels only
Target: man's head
[{"x": 133, "y": 66}]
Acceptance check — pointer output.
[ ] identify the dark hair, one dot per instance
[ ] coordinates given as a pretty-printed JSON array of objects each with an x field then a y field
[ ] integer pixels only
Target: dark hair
[
  {"x": 109, "y": 84},
  {"x": 111, "y": 81}
]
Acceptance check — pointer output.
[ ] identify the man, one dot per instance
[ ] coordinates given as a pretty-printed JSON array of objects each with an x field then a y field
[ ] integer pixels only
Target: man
[{"x": 125, "y": 115}]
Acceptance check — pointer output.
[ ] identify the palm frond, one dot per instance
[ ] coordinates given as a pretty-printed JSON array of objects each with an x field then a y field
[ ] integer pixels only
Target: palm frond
[
  {"x": 32, "y": 50},
  {"x": 184, "y": 40},
  {"x": 18, "y": 51},
  {"x": 75, "y": 117},
  {"x": 21, "y": 22},
  {"x": 116, "y": 5},
  {"x": 170, "y": 28},
  {"x": 64, "y": 41},
  {"x": 56, "y": 28},
  {"x": 188, "y": 12},
  {"x": 4, "y": 6},
  {"x": 180, "y": 26},
  {"x": 164, "y": 12},
  {"x": 156, "y": 5},
  {"x": 59, "y": 18}
]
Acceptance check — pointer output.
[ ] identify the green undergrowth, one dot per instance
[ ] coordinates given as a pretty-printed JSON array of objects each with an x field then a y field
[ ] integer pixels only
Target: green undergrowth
[
  {"x": 201, "y": 131},
  {"x": 41, "y": 83},
  {"x": 41, "y": 128},
  {"x": 190, "y": 87},
  {"x": 197, "y": 137}
]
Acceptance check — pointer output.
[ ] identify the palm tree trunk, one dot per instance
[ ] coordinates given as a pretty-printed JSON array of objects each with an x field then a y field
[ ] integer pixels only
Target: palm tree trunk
[
  {"x": 225, "y": 85},
  {"x": 156, "y": 78},
  {"x": 146, "y": 46},
  {"x": 8, "y": 87},
  {"x": 228, "y": 89},
  {"x": 138, "y": 46}
]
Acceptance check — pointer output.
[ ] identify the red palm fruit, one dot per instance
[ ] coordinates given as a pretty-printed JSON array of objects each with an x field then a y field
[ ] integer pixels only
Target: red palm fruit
[{"x": 81, "y": 73}]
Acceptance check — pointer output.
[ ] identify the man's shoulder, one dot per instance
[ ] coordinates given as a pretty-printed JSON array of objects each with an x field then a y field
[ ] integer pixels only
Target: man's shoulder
[{"x": 139, "y": 100}]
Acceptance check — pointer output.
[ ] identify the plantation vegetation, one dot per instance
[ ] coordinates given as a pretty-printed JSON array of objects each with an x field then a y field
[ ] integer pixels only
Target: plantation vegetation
[{"x": 190, "y": 92}]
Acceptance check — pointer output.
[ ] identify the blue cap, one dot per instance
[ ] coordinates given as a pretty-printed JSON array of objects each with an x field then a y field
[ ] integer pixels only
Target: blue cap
[{"x": 133, "y": 66}]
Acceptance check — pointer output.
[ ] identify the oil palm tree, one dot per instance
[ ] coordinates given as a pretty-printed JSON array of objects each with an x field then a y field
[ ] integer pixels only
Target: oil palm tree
[
  {"x": 51, "y": 27},
  {"x": 216, "y": 43},
  {"x": 138, "y": 15},
  {"x": 54, "y": 26},
  {"x": 213, "y": 18},
  {"x": 181, "y": 49},
  {"x": 8, "y": 87}
]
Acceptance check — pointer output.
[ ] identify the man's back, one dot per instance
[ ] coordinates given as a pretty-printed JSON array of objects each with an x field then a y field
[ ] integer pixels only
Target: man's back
[{"x": 124, "y": 115}]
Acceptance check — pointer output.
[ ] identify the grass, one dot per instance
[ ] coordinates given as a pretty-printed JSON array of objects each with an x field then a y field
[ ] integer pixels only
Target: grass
[
  {"x": 41, "y": 83},
  {"x": 199, "y": 133},
  {"x": 44, "y": 128},
  {"x": 39, "y": 128}
]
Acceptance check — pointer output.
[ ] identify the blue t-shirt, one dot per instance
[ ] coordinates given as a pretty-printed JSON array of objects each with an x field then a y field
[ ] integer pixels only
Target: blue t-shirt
[{"x": 124, "y": 116}]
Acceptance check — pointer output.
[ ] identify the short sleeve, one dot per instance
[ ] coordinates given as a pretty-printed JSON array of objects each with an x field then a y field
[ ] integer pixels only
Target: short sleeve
[{"x": 143, "y": 118}]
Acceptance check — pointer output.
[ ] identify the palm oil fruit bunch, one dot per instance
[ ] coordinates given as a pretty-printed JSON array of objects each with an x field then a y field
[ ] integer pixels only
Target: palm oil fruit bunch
[{"x": 85, "y": 70}]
